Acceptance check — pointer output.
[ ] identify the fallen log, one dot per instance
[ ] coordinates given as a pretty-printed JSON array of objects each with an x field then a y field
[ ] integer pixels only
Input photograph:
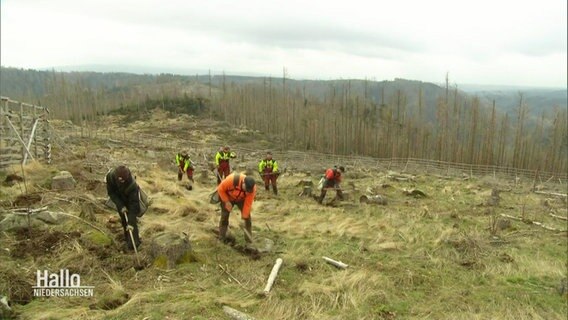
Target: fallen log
[
  {"x": 562, "y": 195},
  {"x": 414, "y": 193},
  {"x": 236, "y": 314},
  {"x": 272, "y": 276},
  {"x": 536, "y": 223},
  {"x": 375, "y": 199},
  {"x": 336, "y": 263},
  {"x": 28, "y": 210},
  {"x": 558, "y": 217}
]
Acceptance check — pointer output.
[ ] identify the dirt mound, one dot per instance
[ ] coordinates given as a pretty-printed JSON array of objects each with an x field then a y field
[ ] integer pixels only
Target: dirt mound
[
  {"x": 96, "y": 186},
  {"x": 12, "y": 179},
  {"x": 27, "y": 200},
  {"x": 36, "y": 243}
]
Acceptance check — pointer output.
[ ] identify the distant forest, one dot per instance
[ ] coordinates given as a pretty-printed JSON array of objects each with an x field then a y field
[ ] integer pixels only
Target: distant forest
[{"x": 384, "y": 119}]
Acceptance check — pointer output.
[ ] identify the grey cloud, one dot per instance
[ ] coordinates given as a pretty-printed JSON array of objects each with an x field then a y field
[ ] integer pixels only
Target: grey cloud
[
  {"x": 307, "y": 35},
  {"x": 542, "y": 46}
]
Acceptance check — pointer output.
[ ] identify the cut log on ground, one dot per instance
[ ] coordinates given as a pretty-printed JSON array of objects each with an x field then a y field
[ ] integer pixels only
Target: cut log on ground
[
  {"x": 272, "y": 276},
  {"x": 336, "y": 263},
  {"x": 536, "y": 223},
  {"x": 414, "y": 193},
  {"x": 376, "y": 199},
  {"x": 558, "y": 217},
  {"x": 400, "y": 177},
  {"x": 561, "y": 195}
]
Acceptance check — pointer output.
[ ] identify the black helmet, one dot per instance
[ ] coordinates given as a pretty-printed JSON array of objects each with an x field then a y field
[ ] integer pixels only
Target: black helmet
[{"x": 249, "y": 184}]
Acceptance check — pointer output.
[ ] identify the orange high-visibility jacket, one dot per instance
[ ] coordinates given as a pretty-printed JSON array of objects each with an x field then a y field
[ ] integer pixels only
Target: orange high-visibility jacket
[
  {"x": 228, "y": 191},
  {"x": 333, "y": 174}
]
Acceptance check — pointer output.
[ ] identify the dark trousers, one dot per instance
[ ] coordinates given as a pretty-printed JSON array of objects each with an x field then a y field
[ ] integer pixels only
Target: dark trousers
[
  {"x": 132, "y": 221},
  {"x": 224, "y": 222},
  {"x": 330, "y": 184}
]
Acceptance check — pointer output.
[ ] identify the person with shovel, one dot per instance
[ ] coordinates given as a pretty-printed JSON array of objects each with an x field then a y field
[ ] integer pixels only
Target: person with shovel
[
  {"x": 240, "y": 190},
  {"x": 268, "y": 170},
  {"x": 185, "y": 165},
  {"x": 332, "y": 179},
  {"x": 222, "y": 167},
  {"x": 124, "y": 192}
]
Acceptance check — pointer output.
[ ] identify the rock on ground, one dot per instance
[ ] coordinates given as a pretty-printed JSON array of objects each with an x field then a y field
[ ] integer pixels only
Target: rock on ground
[
  {"x": 170, "y": 249},
  {"x": 63, "y": 181}
]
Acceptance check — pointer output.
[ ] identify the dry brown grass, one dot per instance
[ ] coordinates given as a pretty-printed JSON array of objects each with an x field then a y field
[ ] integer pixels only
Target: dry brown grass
[{"x": 412, "y": 259}]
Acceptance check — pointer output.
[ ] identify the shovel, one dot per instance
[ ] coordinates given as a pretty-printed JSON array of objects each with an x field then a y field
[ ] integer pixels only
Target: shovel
[
  {"x": 252, "y": 245},
  {"x": 242, "y": 226},
  {"x": 217, "y": 175},
  {"x": 129, "y": 228}
]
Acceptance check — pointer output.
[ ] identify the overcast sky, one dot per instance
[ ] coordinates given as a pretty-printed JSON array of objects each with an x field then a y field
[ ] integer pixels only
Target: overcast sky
[{"x": 517, "y": 42}]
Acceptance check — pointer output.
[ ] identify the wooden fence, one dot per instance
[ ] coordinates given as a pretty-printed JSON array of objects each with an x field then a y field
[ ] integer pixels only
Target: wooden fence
[{"x": 24, "y": 133}]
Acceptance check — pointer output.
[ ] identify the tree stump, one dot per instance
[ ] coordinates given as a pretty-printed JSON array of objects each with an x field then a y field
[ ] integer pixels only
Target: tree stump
[{"x": 306, "y": 191}]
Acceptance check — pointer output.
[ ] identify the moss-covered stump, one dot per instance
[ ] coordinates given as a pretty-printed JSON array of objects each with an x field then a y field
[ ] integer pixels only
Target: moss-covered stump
[{"x": 170, "y": 249}]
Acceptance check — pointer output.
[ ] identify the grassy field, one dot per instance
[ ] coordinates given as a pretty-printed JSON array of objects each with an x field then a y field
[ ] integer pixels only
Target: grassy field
[{"x": 448, "y": 255}]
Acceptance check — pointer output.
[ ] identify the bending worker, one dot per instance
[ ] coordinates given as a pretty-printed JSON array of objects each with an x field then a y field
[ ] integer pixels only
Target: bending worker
[
  {"x": 124, "y": 192},
  {"x": 236, "y": 189},
  {"x": 332, "y": 179}
]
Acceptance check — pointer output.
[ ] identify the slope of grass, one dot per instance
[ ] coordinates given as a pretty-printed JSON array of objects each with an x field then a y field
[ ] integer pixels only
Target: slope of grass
[{"x": 436, "y": 257}]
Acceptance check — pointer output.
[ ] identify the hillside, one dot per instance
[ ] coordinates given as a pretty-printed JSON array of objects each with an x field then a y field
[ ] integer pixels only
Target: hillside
[
  {"x": 33, "y": 85},
  {"x": 450, "y": 255}
]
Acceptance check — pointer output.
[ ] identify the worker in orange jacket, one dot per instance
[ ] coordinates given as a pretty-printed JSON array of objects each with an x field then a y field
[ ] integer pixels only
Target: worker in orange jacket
[
  {"x": 331, "y": 180},
  {"x": 240, "y": 190}
]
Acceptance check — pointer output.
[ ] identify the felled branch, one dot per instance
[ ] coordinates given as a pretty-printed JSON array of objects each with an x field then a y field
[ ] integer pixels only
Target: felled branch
[
  {"x": 536, "y": 223},
  {"x": 562, "y": 195},
  {"x": 558, "y": 217},
  {"x": 336, "y": 263},
  {"x": 273, "y": 275}
]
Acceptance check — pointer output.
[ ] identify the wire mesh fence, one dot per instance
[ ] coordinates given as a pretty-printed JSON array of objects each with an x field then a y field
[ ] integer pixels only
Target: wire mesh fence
[{"x": 311, "y": 161}]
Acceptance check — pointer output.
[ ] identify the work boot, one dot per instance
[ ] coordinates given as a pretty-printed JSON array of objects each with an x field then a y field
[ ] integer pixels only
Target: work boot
[{"x": 275, "y": 189}]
